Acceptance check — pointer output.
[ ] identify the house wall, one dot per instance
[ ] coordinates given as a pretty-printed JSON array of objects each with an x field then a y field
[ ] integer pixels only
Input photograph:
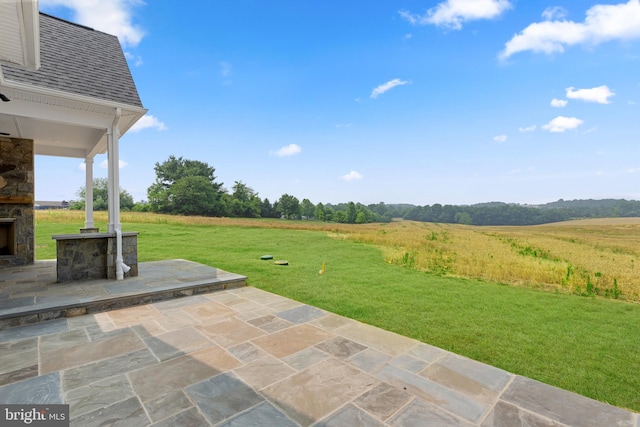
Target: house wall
[{"x": 16, "y": 198}]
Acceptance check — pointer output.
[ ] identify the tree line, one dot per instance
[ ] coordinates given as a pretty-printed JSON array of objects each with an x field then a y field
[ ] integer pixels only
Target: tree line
[
  {"x": 189, "y": 187},
  {"x": 498, "y": 213}
]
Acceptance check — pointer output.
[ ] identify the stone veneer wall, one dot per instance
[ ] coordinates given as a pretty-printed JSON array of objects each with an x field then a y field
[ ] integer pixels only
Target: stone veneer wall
[
  {"x": 81, "y": 259},
  {"x": 17, "y": 195},
  {"x": 129, "y": 255},
  {"x": 90, "y": 256}
]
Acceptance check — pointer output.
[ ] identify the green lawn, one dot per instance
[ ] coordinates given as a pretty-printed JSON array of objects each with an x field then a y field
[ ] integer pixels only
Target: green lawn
[{"x": 589, "y": 346}]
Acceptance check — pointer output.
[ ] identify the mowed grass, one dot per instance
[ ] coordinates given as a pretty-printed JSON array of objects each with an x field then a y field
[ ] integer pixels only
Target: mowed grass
[{"x": 586, "y": 345}]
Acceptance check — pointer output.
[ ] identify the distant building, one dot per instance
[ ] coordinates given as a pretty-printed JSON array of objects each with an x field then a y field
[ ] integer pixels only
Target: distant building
[{"x": 51, "y": 205}]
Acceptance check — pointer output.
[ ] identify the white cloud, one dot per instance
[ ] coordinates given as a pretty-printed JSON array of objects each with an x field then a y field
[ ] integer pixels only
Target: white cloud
[
  {"x": 555, "y": 12},
  {"x": 452, "y": 13},
  {"x": 634, "y": 170},
  {"x": 561, "y": 124},
  {"x": 559, "y": 103},
  {"x": 602, "y": 23},
  {"x": 225, "y": 69},
  {"x": 527, "y": 128},
  {"x": 121, "y": 164},
  {"x": 148, "y": 121},
  {"x": 135, "y": 59},
  {"x": 387, "y": 86},
  {"x": 345, "y": 125},
  {"x": 104, "y": 165},
  {"x": 519, "y": 171},
  {"x": 351, "y": 176},
  {"x": 112, "y": 17},
  {"x": 500, "y": 138},
  {"x": 411, "y": 17},
  {"x": 289, "y": 150},
  {"x": 600, "y": 94}
]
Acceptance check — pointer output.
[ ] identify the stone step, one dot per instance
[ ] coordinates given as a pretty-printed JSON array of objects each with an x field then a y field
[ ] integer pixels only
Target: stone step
[{"x": 29, "y": 295}]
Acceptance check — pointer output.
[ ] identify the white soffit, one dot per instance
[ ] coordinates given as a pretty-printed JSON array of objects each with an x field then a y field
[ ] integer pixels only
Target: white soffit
[
  {"x": 62, "y": 126},
  {"x": 20, "y": 33}
]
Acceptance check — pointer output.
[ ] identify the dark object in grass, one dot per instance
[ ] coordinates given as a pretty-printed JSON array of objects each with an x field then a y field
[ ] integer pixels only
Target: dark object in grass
[
  {"x": 281, "y": 262},
  {"x": 266, "y": 257}
]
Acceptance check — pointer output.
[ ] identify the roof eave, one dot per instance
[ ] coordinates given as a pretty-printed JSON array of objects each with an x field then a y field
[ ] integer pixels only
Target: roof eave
[
  {"x": 135, "y": 110},
  {"x": 130, "y": 114}
]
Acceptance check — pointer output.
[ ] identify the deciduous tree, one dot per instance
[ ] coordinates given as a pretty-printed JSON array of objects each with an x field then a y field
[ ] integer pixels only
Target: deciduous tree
[
  {"x": 186, "y": 187},
  {"x": 245, "y": 202},
  {"x": 307, "y": 209},
  {"x": 101, "y": 197},
  {"x": 319, "y": 212},
  {"x": 289, "y": 206}
]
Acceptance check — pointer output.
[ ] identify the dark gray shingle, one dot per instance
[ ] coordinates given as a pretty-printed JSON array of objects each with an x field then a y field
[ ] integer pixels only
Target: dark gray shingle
[{"x": 79, "y": 60}]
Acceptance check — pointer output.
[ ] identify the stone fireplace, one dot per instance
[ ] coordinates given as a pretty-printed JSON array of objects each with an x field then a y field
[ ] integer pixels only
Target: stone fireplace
[
  {"x": 7, "y": 236},
  {"x": 17, "y": 243}
]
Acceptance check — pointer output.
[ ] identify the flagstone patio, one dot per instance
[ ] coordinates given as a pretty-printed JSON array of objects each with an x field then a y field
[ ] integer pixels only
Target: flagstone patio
[{"x": 246, "y": 357}]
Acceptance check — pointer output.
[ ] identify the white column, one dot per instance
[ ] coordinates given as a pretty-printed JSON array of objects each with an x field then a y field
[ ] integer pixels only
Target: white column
[
  {"x": 114, "y": 159},
  {"x": 88, "y": 193},
  {"x": 113, "y": 179},
  {"x": 111, "y": 171}
]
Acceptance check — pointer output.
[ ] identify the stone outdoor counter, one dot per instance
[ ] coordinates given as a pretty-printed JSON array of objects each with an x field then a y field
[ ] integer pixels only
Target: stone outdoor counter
[{"x": 89, "y": 256}]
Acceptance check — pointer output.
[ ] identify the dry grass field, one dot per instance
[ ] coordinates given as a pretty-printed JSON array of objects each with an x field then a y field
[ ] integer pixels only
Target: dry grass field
[{"x": 588, "y": 257}]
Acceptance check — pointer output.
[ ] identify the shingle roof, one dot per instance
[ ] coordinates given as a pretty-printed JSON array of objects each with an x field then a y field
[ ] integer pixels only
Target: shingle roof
[{"x": 79, "y": 60}]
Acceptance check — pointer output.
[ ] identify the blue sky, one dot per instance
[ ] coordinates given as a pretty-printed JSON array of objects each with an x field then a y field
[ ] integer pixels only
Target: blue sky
[{"x": 423, "y": 102}]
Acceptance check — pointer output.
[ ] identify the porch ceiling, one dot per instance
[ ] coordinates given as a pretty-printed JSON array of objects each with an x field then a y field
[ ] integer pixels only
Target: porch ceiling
[{"x": 60, "y": 125}]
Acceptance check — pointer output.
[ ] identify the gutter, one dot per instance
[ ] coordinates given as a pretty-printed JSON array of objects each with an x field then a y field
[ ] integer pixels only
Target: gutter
[{"x": 121, "y": 267}]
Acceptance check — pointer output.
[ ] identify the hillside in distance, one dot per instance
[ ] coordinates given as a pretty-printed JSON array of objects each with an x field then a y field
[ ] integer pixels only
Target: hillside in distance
[{"x": 499, "y": 213}]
